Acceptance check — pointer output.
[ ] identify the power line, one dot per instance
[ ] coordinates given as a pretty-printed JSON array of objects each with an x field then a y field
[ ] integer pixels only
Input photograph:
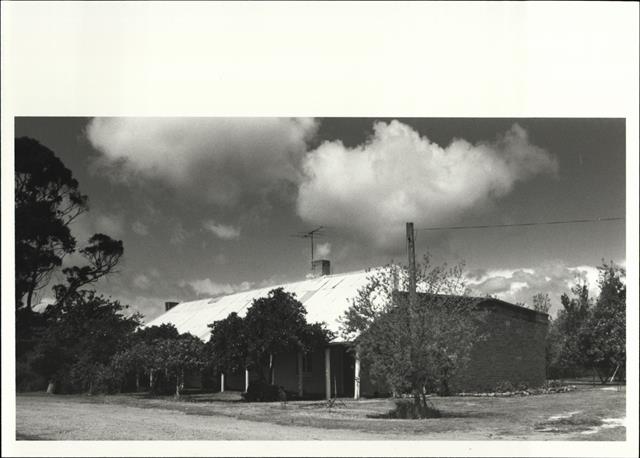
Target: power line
[{"x": 539, "y": 223}]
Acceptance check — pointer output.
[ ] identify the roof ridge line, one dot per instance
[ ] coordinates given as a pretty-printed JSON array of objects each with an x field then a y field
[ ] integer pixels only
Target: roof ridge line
[{"x": 278, "y": 285}]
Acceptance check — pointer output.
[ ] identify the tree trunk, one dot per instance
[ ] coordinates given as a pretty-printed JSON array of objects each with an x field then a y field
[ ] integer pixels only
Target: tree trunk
[
  {"x": 150, "y": 380},
  {"x": 444, "y": 386},
  {"x": 29, "y": 298},
  {"x": 137, "y": 381},
  {"x": 421, "y": 405},
  {"x": 271, "y": 369},
  {"x": 51, "y": 387},
  {"x": 179, "y": 383}
]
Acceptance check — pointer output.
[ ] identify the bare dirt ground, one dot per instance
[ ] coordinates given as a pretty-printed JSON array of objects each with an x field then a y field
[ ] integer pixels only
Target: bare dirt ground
[{"x": 585, "y": 414}]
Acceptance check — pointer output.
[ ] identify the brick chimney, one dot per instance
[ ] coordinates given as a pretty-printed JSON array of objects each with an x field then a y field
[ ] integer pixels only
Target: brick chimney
[
  {"x": 169, "y": 305},
  {"x": 321, "y": 267}
]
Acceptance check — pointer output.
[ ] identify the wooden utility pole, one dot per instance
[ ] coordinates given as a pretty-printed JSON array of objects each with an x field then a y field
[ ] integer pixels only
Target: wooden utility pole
[
  {"x": 413, "y": 308},
  {"x": 411, "y": 248}
]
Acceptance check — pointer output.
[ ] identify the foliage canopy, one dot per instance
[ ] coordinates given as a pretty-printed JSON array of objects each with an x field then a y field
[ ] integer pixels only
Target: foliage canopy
[
  {"x": 47, "y": 200},
  {"x": 591, "y": 334},
  {"x": 414, "y": 348},
  {"x": 274, "y": 325},
  {"x": 80, "y": 338}
]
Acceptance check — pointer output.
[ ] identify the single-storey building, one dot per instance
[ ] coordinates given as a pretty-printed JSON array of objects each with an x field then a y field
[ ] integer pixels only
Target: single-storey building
[{"x": 513, "y": 351}]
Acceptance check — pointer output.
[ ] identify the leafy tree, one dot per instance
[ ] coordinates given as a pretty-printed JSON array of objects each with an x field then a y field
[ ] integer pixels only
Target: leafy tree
[
  {"x": 541, "y": 303},
  {"x": 227, "y": 345},
  {"x": 73, "y": 341},
  {"x": 82, "y": 335},
  {"x": 61, "y": 319},
  {"x": 135, "y": 359},
  {"x": 145, "y": 355},
  {"x": 127, "y": 361},
  {"x": 376, "y": 297},
  {"x": 602, "y": 339},
  {"x": 150, "y": 333},
  {"x": 577, "y": 308},
  {"x": 161, "y": 350},
  {"x": 417, "y": 348},
  {"x": 274, "y": 325},
  {"x": 553, "y": 349},
  {"x": 566, "y": 345},
  {"x": 47, "y": 200},
  {"x": 372, "y": 300},
  {"x": 277, "y": 324},
  {"x": 182, "y": 355},
  {"x": 102, "y": 254},
  {"x": 154, "y": 356},
  {"x": 588, "y": 334}
]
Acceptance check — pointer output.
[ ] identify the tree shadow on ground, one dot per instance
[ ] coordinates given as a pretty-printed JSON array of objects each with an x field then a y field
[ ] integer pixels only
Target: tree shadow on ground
[
  {"x": 204, "y": 398},
  {"x": 28, "y": 437},
  {"x": 391, "y": 415}
]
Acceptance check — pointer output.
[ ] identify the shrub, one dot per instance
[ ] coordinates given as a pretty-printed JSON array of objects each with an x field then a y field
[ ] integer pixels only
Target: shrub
[
  {"x": 259, "y": 391},
  {"x": 107, "y": 380},
  {"x": 409, "y": 409},
  {"x": 93, "y": 378},
  {"x": 504, "y": 386},
  {"x": 552, "y": 384},
  {"x": 26, "y": 378}
]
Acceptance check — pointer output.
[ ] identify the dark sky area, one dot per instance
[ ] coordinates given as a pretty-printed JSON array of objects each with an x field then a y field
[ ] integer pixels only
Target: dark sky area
[{"x": 207, "y": 206}]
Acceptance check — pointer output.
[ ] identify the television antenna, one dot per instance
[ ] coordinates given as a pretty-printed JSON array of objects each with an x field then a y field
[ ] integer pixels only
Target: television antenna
[{"x": 317, "y": 232}]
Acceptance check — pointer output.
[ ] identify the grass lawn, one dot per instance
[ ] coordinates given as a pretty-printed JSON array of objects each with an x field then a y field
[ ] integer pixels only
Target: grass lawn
[{"x": 590, "y": 413}]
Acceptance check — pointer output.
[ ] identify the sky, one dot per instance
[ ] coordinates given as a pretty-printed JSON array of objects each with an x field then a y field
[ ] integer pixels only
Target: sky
[{"x": 210, "y": 206}]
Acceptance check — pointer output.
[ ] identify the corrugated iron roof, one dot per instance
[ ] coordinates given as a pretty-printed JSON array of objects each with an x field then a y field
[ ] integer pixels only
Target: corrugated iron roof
[{"x": 325, "y": 299}]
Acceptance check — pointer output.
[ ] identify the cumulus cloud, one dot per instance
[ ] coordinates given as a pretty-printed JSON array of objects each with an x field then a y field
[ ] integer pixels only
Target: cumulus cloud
[
  {"x": 584, "y": 274},
  {"x": 222, "y": 231},
  {"x": 521, "y": 284},
  {"x": 222, "y": 159},
  {"x": 208, "y": 287},
  {"x": 397, "y": 175}
]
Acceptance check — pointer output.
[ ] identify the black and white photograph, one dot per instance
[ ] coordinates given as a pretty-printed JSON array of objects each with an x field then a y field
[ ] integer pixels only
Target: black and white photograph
[
  {"x": 255, "y": 277},
  {"x": 320, "y": 278}
]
